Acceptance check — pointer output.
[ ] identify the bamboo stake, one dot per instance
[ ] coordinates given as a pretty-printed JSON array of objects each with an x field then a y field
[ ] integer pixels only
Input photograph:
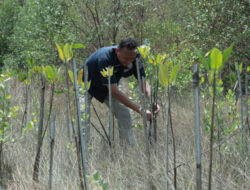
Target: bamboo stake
[
  {"x": 143, "y": 102},
  {"x": 52, "y": 138},
  {"x": 80, "y": 131},
  {"x": 146, "y": 134},
  {"x": 86, "y": 112},
  {"x": 211, "y": 135},
  {"x": 67, "y": 99},
  {"x": 110, "y": 111},
  {"x": 241, "y": 105},
  {"x": 197, "y": 126},
  {"x": 246, "y": 111},
  {"x": 166, "y": 146},
  {"x": 78, "y": 156}
]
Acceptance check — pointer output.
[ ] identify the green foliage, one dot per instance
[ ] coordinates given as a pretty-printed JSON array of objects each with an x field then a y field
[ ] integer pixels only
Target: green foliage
[
  {"x": 9, "y": 10},
  {"x": 97, "y": 181},
  {"x": 7, "y": 113},
  {"x": 40, "y": 23}
]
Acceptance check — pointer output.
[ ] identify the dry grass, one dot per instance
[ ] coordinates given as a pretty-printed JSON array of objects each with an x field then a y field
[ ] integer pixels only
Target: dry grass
[{"x": 128, "y": 171}]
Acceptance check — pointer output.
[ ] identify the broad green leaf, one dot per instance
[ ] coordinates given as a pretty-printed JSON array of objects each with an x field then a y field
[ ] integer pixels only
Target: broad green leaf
[
  {"x": 248, "y": 69},
  {"x": 50, "y": 74},
  {"x": 240, "y": 67},
  {"x": 152, "y": 60},
  {"x": 67, "y": 51},
  {"x": 220, "y": 82},
  {"x": 216, "y": 59},
  {"x": 227, "y": 53},
  {"x": 163, "y": 74},
  {"x": 143, "y": 51},
  {"x": 76, "y": 46},
  {"x": 202, "y": 80},
  {"x": 71, "y": 75},
  {"x": 174, "y": 73},
  {"x": 158, "y": 58},
  {"x": 59, "y": 49}
]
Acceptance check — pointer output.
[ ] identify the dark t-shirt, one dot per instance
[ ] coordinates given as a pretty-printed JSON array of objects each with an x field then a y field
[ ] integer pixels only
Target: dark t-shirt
[{"x": 103, "y": 58}]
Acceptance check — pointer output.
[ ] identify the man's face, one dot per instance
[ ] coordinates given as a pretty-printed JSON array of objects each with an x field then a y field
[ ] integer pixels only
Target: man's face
[{"x": 125, "y": 56}]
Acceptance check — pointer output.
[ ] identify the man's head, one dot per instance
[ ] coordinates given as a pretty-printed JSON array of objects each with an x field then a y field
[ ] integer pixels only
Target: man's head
[{"x": 126, "y": 51}]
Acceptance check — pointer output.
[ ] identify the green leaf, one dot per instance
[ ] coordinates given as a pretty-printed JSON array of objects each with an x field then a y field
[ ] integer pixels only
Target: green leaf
[
  {"x": 58, "y": 91},
  {"x": 174, "y": 73},
  {"x": 59, "y": 49},
  {"x": 163, "y": 74},
  {"x": 227, "y": 53},
  {"x": 76, "y": 46},
  {"x": 22, "y": 76},
  {"x": 50, "y": 74},
  {"x": 71, "y": 75},
  {"x": 240, "y": 67},
  {"x": 216, "y": 59},
  {"x": 96, "y": 176},
  {"x": 201, "y": 57},
  {"x": 67, "y": 51}
]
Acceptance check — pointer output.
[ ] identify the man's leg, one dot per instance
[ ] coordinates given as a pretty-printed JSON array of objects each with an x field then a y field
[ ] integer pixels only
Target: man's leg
[
  {"x": 86, "y": 129},
  {"x": 123, "y": 116}
]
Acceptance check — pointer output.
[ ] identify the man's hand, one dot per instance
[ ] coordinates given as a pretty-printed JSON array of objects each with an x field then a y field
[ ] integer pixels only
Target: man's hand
[
  {"x": 148, "y": 114},
  {"x": 156, "y": 110}
]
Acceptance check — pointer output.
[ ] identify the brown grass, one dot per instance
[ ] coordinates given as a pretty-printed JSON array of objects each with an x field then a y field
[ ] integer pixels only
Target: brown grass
[{"x": 128, "y": 171}]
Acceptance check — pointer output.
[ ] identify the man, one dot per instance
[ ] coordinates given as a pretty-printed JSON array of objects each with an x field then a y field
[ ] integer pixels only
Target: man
[{"x": 123, "y": 59}]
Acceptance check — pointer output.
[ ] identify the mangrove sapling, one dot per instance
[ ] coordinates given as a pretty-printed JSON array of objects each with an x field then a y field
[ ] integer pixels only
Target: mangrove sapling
[
  {"x": 197, "y": 126},
  {"x": 6, "y": 113},
  {"x": 80, "y": 131},
  {"x": 40, "y": 131},
  {"x": 50, "y": 74},
  {"x": 141, "y": 92},
  {"x": 25, "y": 113},
  {"x": 215, "y": 63},
  {"x": 52, "y": 143},
  {"x": 108, "y": 72},
  {"x": 239, "y": 70},
  {"x": 167, "y": 76},
  {"x": 66, "y": 53},
  {"x": 65, "y": 61}
]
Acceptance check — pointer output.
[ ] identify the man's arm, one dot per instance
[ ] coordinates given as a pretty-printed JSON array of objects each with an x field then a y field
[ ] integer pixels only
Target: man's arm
[{"x": 120, "y": 96}]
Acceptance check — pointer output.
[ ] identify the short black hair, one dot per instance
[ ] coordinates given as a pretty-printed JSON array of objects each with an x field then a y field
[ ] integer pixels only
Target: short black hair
[{"x": 128, "y": 43}]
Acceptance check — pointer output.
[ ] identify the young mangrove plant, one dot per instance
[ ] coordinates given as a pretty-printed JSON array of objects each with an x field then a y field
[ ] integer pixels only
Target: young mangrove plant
[
  {"x": 108, "y": 72},
  {"x": 167, "y": 76},
  {"x": 214, "y": 62},
  {"x": 65, "y": 53}
]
